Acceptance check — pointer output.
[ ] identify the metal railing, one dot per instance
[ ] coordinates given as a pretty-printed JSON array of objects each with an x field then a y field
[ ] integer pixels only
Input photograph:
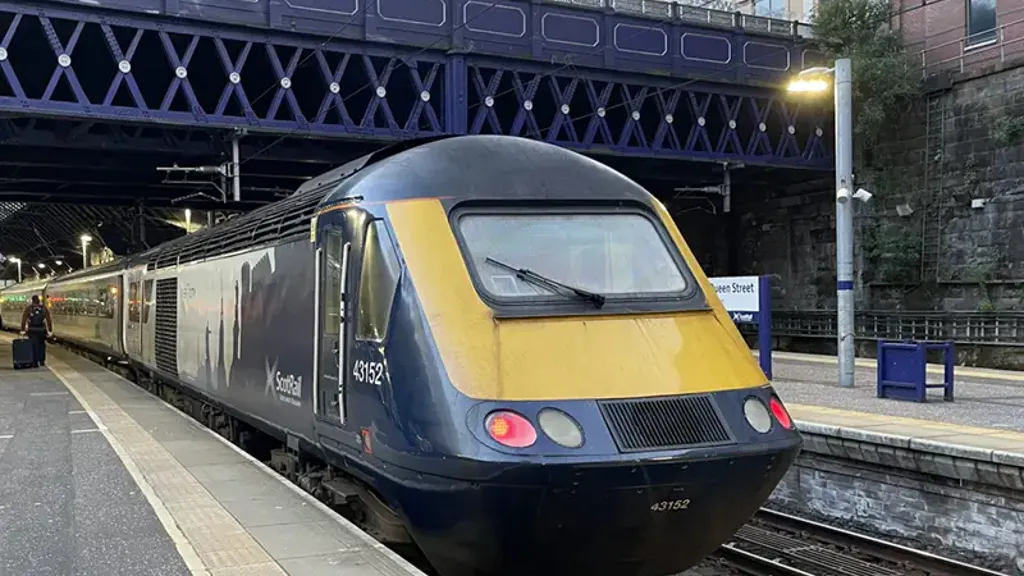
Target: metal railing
[
  {"x": 975, "y": 328},
  {"x": 960, "y": 53},
  {"x": 700, "y": 13}
]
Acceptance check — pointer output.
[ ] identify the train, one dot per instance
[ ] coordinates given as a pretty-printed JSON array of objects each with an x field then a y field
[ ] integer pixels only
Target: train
[{"x": 493, "y": 349}]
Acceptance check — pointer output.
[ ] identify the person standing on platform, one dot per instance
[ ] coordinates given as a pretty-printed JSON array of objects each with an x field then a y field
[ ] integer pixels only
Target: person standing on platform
[{"x": 36, "y": 324}]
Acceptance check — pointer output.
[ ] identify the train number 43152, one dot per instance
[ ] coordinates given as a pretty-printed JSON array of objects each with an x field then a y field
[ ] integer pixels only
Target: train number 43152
[{"x": 670, "y": 505}]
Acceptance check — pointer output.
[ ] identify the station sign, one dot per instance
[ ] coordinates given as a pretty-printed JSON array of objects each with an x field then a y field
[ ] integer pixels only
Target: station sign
[
  {"x": 739, "y": 293},
  {"x": 747, "y": 299}
]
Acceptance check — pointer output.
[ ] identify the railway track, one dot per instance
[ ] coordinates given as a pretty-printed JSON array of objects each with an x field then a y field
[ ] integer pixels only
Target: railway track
[{"x": 778, "y": 544}]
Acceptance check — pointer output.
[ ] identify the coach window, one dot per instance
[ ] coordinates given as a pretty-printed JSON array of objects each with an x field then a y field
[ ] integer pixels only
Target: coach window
[
  {"x": 981, "y": 22},
  {"x": 133, "y": 302},
  {"x": 378, "y": 281},
  {"x": 332, "y": 285},
  {"x": 147, "y": 301}
]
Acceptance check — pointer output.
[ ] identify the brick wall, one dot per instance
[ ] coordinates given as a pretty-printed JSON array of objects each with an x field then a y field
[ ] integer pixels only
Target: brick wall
[{"x": 935, "y": 31}]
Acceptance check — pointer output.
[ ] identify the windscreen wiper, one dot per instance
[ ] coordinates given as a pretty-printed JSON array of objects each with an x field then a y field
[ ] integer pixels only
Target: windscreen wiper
[{"x": 531, "y": 276}]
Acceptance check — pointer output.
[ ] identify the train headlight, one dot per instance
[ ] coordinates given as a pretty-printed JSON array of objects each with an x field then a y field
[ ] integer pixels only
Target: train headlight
[
  {"x": 780, "y": 413},
  {"x": 757, "y": 415},
  {"x": 510, "y": 429},
  {"x": 560, "y": 427}
]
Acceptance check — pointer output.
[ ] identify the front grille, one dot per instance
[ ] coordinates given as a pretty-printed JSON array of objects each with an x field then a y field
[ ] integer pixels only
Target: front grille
[{"x": 665, "y": 423}]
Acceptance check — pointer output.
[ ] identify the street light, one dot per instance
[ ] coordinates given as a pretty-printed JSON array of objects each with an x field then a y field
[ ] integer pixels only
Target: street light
[
  {"x": 812, "y": 80},
  {"x": 17, "y": 261},
  {"x": 85, "y": 243},
  {"x": 188, "y": 220}
]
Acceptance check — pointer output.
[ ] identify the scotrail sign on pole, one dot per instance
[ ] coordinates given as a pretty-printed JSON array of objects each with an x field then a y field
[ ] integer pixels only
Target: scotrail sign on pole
[{"x": 748, "y": 301}]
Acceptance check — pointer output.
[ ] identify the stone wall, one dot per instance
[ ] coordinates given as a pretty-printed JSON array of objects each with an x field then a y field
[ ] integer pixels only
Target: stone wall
[
  {"x": 981, "y": 249},
  {"x": 951, "y": 499}
]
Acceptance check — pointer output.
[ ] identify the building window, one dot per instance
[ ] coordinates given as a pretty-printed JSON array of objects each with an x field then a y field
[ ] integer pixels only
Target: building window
[
  {"x": 771, "y": 9},
  {"x": 981, "y": 21}
]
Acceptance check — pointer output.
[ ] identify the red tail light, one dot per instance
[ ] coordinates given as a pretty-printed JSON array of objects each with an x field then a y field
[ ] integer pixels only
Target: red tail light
[
  {"x": 510, "y": 429},
  {"x": 780, "y": 413}
]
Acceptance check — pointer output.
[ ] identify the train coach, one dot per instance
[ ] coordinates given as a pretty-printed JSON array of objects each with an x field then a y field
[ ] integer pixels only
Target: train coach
[
  {"x": 14, "y": 299},
  {"x": 494, "y": 348}
]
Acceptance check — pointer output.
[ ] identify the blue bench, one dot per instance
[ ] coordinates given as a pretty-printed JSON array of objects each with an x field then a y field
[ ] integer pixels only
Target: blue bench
[{"x": 902, "y": 370}]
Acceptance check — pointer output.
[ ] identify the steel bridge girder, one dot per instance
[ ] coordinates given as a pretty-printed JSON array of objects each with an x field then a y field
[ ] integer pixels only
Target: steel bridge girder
[{"x": 131, "y": 70}]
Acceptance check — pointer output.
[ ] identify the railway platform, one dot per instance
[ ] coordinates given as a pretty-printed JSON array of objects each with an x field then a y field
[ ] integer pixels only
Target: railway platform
[
  {"x": 103, "y": 478},
  {"x": 949, "y": 474}
]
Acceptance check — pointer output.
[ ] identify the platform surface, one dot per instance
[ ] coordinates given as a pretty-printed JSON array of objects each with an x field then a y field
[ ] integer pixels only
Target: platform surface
[
  {"x": 102, "y": 478},
  {"x": 988, "y": 411}
]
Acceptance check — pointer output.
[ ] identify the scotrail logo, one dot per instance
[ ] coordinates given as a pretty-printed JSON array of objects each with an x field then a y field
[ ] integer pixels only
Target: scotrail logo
[{"x": 286, "y": 387}]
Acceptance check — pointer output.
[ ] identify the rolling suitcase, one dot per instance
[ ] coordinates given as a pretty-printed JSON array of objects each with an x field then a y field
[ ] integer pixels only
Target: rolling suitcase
[{"x": 22, "y": 352}]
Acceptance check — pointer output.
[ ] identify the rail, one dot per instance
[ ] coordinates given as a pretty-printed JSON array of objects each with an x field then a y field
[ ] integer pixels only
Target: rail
[
  {"x": 797, "y": 543},
  {"x": 960, "y": 53},
  {"x": 696, "y": 14},
  {"x": 966, "y": 328}
]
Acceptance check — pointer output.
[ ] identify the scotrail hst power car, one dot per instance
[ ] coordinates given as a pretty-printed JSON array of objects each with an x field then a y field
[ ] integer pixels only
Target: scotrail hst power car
[{"x": 494, "y": 348}]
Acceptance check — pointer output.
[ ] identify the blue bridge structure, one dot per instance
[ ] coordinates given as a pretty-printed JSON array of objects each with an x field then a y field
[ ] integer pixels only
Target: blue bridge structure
[{"x": 104, "y": 104}]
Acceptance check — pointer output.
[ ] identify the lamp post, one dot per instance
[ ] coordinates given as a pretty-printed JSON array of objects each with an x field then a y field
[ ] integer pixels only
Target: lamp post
[
  {"x": 85, "y": 246},
  {"x": 810, "y": 81},
  {"x": 188, "y": 220}
]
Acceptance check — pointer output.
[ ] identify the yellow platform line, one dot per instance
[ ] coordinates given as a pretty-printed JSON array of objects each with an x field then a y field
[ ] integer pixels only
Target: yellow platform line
[
  {"x": 822, "y": 414},
  {"x": 931, "y": 368}
]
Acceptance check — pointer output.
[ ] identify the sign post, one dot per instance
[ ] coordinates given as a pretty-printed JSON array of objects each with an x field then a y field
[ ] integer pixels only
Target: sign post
[{"x": 748, "y": 301}]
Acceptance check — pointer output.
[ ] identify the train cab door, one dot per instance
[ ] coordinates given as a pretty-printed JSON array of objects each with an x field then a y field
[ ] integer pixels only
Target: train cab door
[{"x": 332, "y": 266}]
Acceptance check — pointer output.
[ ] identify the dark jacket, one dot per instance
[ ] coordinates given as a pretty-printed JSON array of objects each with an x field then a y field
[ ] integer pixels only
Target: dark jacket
[{"x": 46, "y": 315}]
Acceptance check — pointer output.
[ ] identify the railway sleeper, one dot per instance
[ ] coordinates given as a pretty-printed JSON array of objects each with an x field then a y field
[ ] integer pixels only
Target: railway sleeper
[{"x": 343, "y": 493}]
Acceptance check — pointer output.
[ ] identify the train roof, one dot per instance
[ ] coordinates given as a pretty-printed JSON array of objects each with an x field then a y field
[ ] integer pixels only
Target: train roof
[
  {"x": 484, "y": 167},
  {"x": 25, "y": 287}
]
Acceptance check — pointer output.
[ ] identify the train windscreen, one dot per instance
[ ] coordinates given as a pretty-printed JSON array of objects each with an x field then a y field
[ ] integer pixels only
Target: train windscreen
[{"x": 610, "y": 254}]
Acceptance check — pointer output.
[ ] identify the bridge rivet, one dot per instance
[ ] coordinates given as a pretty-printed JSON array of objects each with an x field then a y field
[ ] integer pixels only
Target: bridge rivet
[
  {"x": 3, "y": 54},
  {"x": 635, "y": 115},
  {"x": 124, "y": 66},
  {"x": 286, "y": 82},
  {"x": 381, "y": 91},
  {"x": 425, "y": 96},
  {"x": 701, "y": 121},
  {"x": 762, "y": 127},
  {"x": 565, "y": 109},
  {"x": 334, "y": 88},
  {"x": 235, "y": 77},
  {"x": 670, "y": 118},
  {"x": 601, "y": 112},
  {"x": 180, "y": 72},
  {"x": 489, "y": 101},
  {"x": 791, "y": 129},
  {"x": 732, "y": 124},
  {"x": 819, "y": 132},
  {"x": 64, "y": 60},
  {"x": 528, "y": 105}
]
